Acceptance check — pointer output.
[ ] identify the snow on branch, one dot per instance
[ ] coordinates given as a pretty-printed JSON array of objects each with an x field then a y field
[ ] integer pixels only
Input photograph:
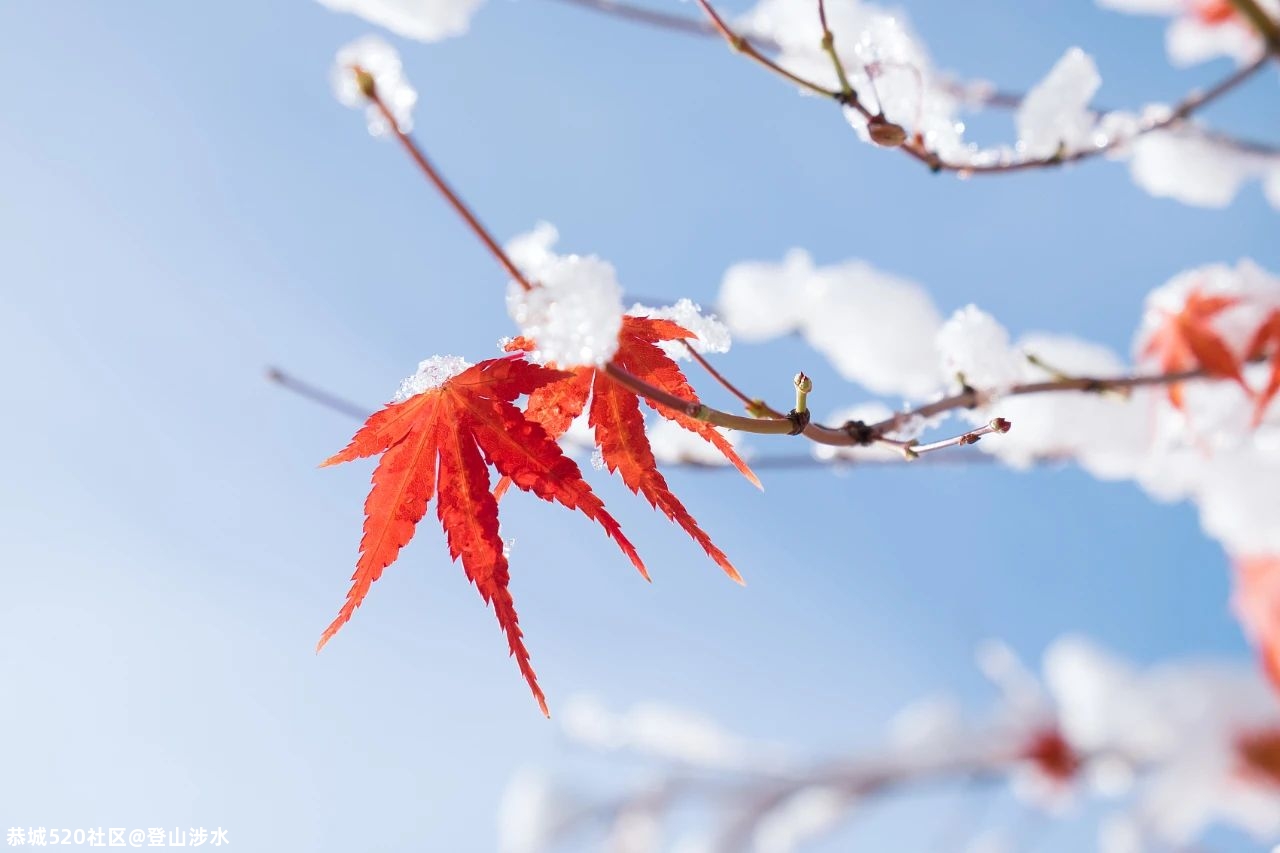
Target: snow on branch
[
  {"x": 869, "y": 61},
  {"x": 1167, "y": 752}
]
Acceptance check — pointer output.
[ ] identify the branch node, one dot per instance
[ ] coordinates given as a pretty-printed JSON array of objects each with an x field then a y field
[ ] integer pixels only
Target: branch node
[
  {"x": 885, "y": 133},
  {"x": 799, "y": 420},
  {"x": 860, "y": 432}
]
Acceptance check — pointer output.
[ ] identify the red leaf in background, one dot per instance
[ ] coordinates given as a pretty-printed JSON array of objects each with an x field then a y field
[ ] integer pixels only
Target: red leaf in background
[
  {"x": 1213, "y": 12},
  {"x": 1267, "y": 338},
  {"x": 459, "y": 425},
  {"x": 619, "y": 425},
  {"x": 1257, "y": 605},
  {"x": 1187, "y": 341}
]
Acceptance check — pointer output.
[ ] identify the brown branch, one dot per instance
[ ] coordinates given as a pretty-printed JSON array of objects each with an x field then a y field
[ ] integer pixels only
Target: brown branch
[
  {"x": 797, "y": 421},
  {"x": 915, "y": 147},
  {"x": 998, "y": 426},
  {"x": 857, "y": 781},
  {"x": 755, "y": 406},
  {"x": 692, "y": 408},
  {"x": 740, "y": 44},
  {"x": 971, "y": 398},
  {"x": 326, "y": 400},
  {"x": 1180, "y": 113},
  {"x": 748, "y": 797},
  {"x": 649, "y": 17},
  {"x": 1269, "y": 29},
  {"x": 829, "y": 47},
  {"x": 780, "y": 462},
  {"x": 699, "y": 411},
  {"x": 977, "y": 95},
  {"x": 455, "y": 201},
  {"x": 755, "y": 48}
]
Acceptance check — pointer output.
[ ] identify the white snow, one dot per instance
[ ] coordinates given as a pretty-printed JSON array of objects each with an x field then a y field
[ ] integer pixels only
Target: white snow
[
  {"x": 711, "y": 335},
  {"x": 1210, "y": 453},
  {"x": 1145, "y": 7},
  {"x": 675, "y": 445},
  {"x": 1196, "y": 34},
  {"x": 869, "y": 413},
  {"x": 875, "y": 328},
  {"x": 761, "y": 300},
  {"x": 974, "y": 347},
  {"x": 1190, "y": 41},
  {"x": 530, "y": 813},
  {"x": 574, "y": 311},
  {"x": 805, "y": 815},
  {"x": 1058, "y": 425},
  {"x": 424, "y": 20},
  {"x": 887, "y": 64},
  {"x": 431, "y": 373},
  {"x": 1195, "y": 169},
  {"x": 653, "y": 729},
  {"x": 1055, "y": 113},
  {"x": 375, "y": 56},
  {"x": 1184, "y": 724}
]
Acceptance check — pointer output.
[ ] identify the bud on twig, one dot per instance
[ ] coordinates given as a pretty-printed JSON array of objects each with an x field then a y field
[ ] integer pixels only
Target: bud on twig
[
  {"x": 803, "y": 386},
  {"x": 885, "y": 133},
  {"x": 365, "y": 82}
]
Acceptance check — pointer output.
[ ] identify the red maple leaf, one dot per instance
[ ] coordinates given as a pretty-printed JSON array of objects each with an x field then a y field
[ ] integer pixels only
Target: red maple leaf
[
  {"x": 458, "y": 426},
  {"x": 1267, "y": 338},
  {"x": 618, "y": 423},
  {"x": 1257, "y": 604},
  {"x": 1213, "y": 12},
  {"x": 1187, "y": 341}
]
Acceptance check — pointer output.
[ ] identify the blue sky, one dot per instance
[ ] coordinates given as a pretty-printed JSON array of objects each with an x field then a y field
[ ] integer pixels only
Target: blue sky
[{"x": 183, "y": 203}]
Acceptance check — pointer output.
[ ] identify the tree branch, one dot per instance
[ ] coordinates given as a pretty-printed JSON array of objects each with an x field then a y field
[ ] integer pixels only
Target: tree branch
[
  {"x": 1262, "y": 22},
  {"x": 757, "y": 46},
  {"x": 455, "y": 201}
]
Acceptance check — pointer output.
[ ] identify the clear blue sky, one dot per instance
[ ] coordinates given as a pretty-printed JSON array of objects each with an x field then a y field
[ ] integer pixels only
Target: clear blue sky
[{"x": 182, "y": 203}]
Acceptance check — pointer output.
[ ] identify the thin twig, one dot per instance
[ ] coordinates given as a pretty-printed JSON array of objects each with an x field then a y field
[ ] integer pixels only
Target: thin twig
[
  {"x": 756, "y": 47},
  {"x": 740, "y": 44},
  {"x": 788, "y": 425},
  {"x": 756, "y": 407},
  {"x": 692, "y": 408},
  {"x": 334, "y": 403},
  {"x": 971, "y": 398},
  {"x": 829, "y": 47},
  {"x": 316, "y": 395},
  {"x": 700, "y": 411},
  {"x": 649, "y": 17},
  {"x": 455, "y": 201},
  {"x": 999, "y": 426},
  {"x": 1269, "y": 29},
  {"x": 1181, "y": 111}
]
